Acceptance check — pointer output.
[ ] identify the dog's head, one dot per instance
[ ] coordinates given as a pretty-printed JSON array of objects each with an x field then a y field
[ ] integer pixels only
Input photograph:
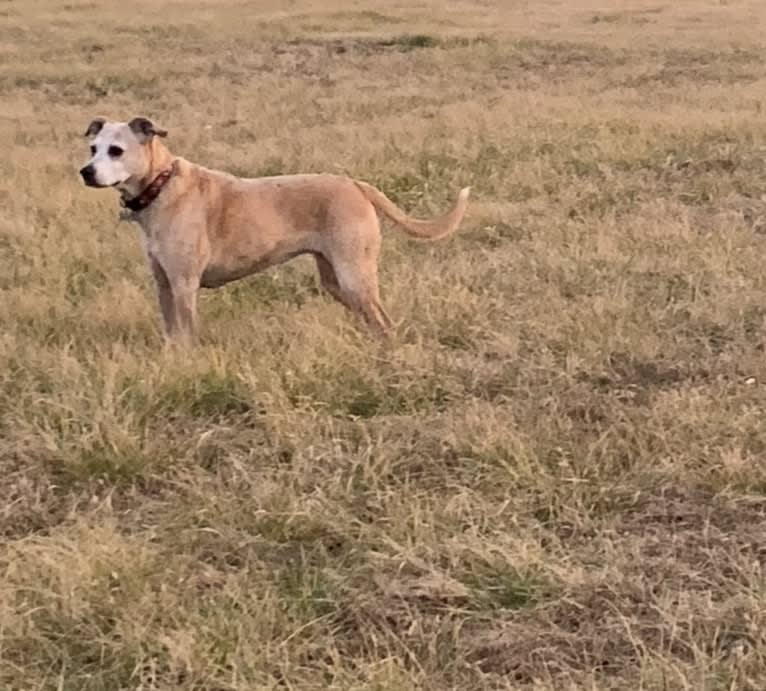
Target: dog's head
[{"x": 120, "y": 151}]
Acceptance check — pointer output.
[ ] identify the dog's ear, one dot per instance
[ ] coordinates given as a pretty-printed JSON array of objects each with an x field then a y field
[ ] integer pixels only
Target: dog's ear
[
  {"x": 145, "y": 129},
  {"x": 95, "y": 127}
]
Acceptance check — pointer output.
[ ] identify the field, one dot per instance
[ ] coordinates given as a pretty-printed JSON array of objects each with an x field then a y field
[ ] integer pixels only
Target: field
[{"x": 552, "y": 478}]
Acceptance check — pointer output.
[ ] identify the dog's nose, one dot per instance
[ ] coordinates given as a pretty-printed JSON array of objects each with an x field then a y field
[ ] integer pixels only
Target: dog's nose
[{"x": 87, "y": 173}]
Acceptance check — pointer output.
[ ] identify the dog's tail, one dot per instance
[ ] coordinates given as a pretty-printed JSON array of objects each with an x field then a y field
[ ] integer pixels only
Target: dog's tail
[{"x": 432, "y": 229}]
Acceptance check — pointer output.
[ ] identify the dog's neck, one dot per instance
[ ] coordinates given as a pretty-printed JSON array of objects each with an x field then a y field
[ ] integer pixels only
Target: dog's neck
[
  {"x": 151, "y": 191},
  {"x": 161, "y": 162}
]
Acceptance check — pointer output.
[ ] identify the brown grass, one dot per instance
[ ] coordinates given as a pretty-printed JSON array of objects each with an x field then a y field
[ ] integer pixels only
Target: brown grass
[{"x": 554, "y": 478}]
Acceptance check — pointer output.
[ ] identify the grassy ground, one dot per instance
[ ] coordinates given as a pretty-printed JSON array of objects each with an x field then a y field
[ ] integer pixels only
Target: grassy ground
[{"x": 553, "y": 479}]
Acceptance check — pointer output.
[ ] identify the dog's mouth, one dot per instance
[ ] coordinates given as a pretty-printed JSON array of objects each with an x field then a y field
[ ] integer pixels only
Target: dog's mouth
[{"x": 90, "y": 182}]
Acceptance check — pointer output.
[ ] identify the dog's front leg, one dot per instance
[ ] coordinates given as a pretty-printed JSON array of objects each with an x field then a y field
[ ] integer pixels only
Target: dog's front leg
[
  {"x": 184, "y": 293},
  {"x": 165, "y": 297}
]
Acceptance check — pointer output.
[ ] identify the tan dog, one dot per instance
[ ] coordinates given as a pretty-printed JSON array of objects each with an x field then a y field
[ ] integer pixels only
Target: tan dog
[{"x": 204, "y": 228}]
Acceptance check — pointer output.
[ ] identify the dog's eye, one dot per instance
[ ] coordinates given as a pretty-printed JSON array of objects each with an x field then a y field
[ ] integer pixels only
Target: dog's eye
[
  {"x": 93, "y": 150},
  {"x": 115, "y": 151}
]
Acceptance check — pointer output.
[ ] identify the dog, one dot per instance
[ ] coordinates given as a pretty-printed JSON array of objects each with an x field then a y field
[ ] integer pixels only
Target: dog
[{"x": 205, "y": 228}]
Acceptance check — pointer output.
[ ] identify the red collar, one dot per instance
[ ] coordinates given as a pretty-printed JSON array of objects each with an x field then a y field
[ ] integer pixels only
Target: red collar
[{"x": 152, "y": 191}]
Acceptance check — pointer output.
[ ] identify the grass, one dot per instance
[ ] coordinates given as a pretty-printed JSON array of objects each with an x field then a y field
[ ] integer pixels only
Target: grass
[{"x": 552, "y": 479}]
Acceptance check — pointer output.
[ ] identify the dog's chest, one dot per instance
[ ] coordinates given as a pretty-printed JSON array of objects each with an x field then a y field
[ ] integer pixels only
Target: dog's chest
[
  {"x": 150, "y": 244},
  {"x": 166, "y": 244}
]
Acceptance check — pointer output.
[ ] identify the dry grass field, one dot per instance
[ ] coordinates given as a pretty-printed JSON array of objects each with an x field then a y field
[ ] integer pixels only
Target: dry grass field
[{"x": 553, "y": 478}]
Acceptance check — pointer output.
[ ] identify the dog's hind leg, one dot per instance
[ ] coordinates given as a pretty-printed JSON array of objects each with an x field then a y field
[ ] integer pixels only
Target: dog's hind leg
[
  {"x": 329, "y": 280},
  {"x": 359, "y": 289},
  {"x": 359, "y": 295}
]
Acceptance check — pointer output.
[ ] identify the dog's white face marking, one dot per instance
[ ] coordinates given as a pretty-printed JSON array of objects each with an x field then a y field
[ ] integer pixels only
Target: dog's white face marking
[{"x": 116, "y": 156}]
